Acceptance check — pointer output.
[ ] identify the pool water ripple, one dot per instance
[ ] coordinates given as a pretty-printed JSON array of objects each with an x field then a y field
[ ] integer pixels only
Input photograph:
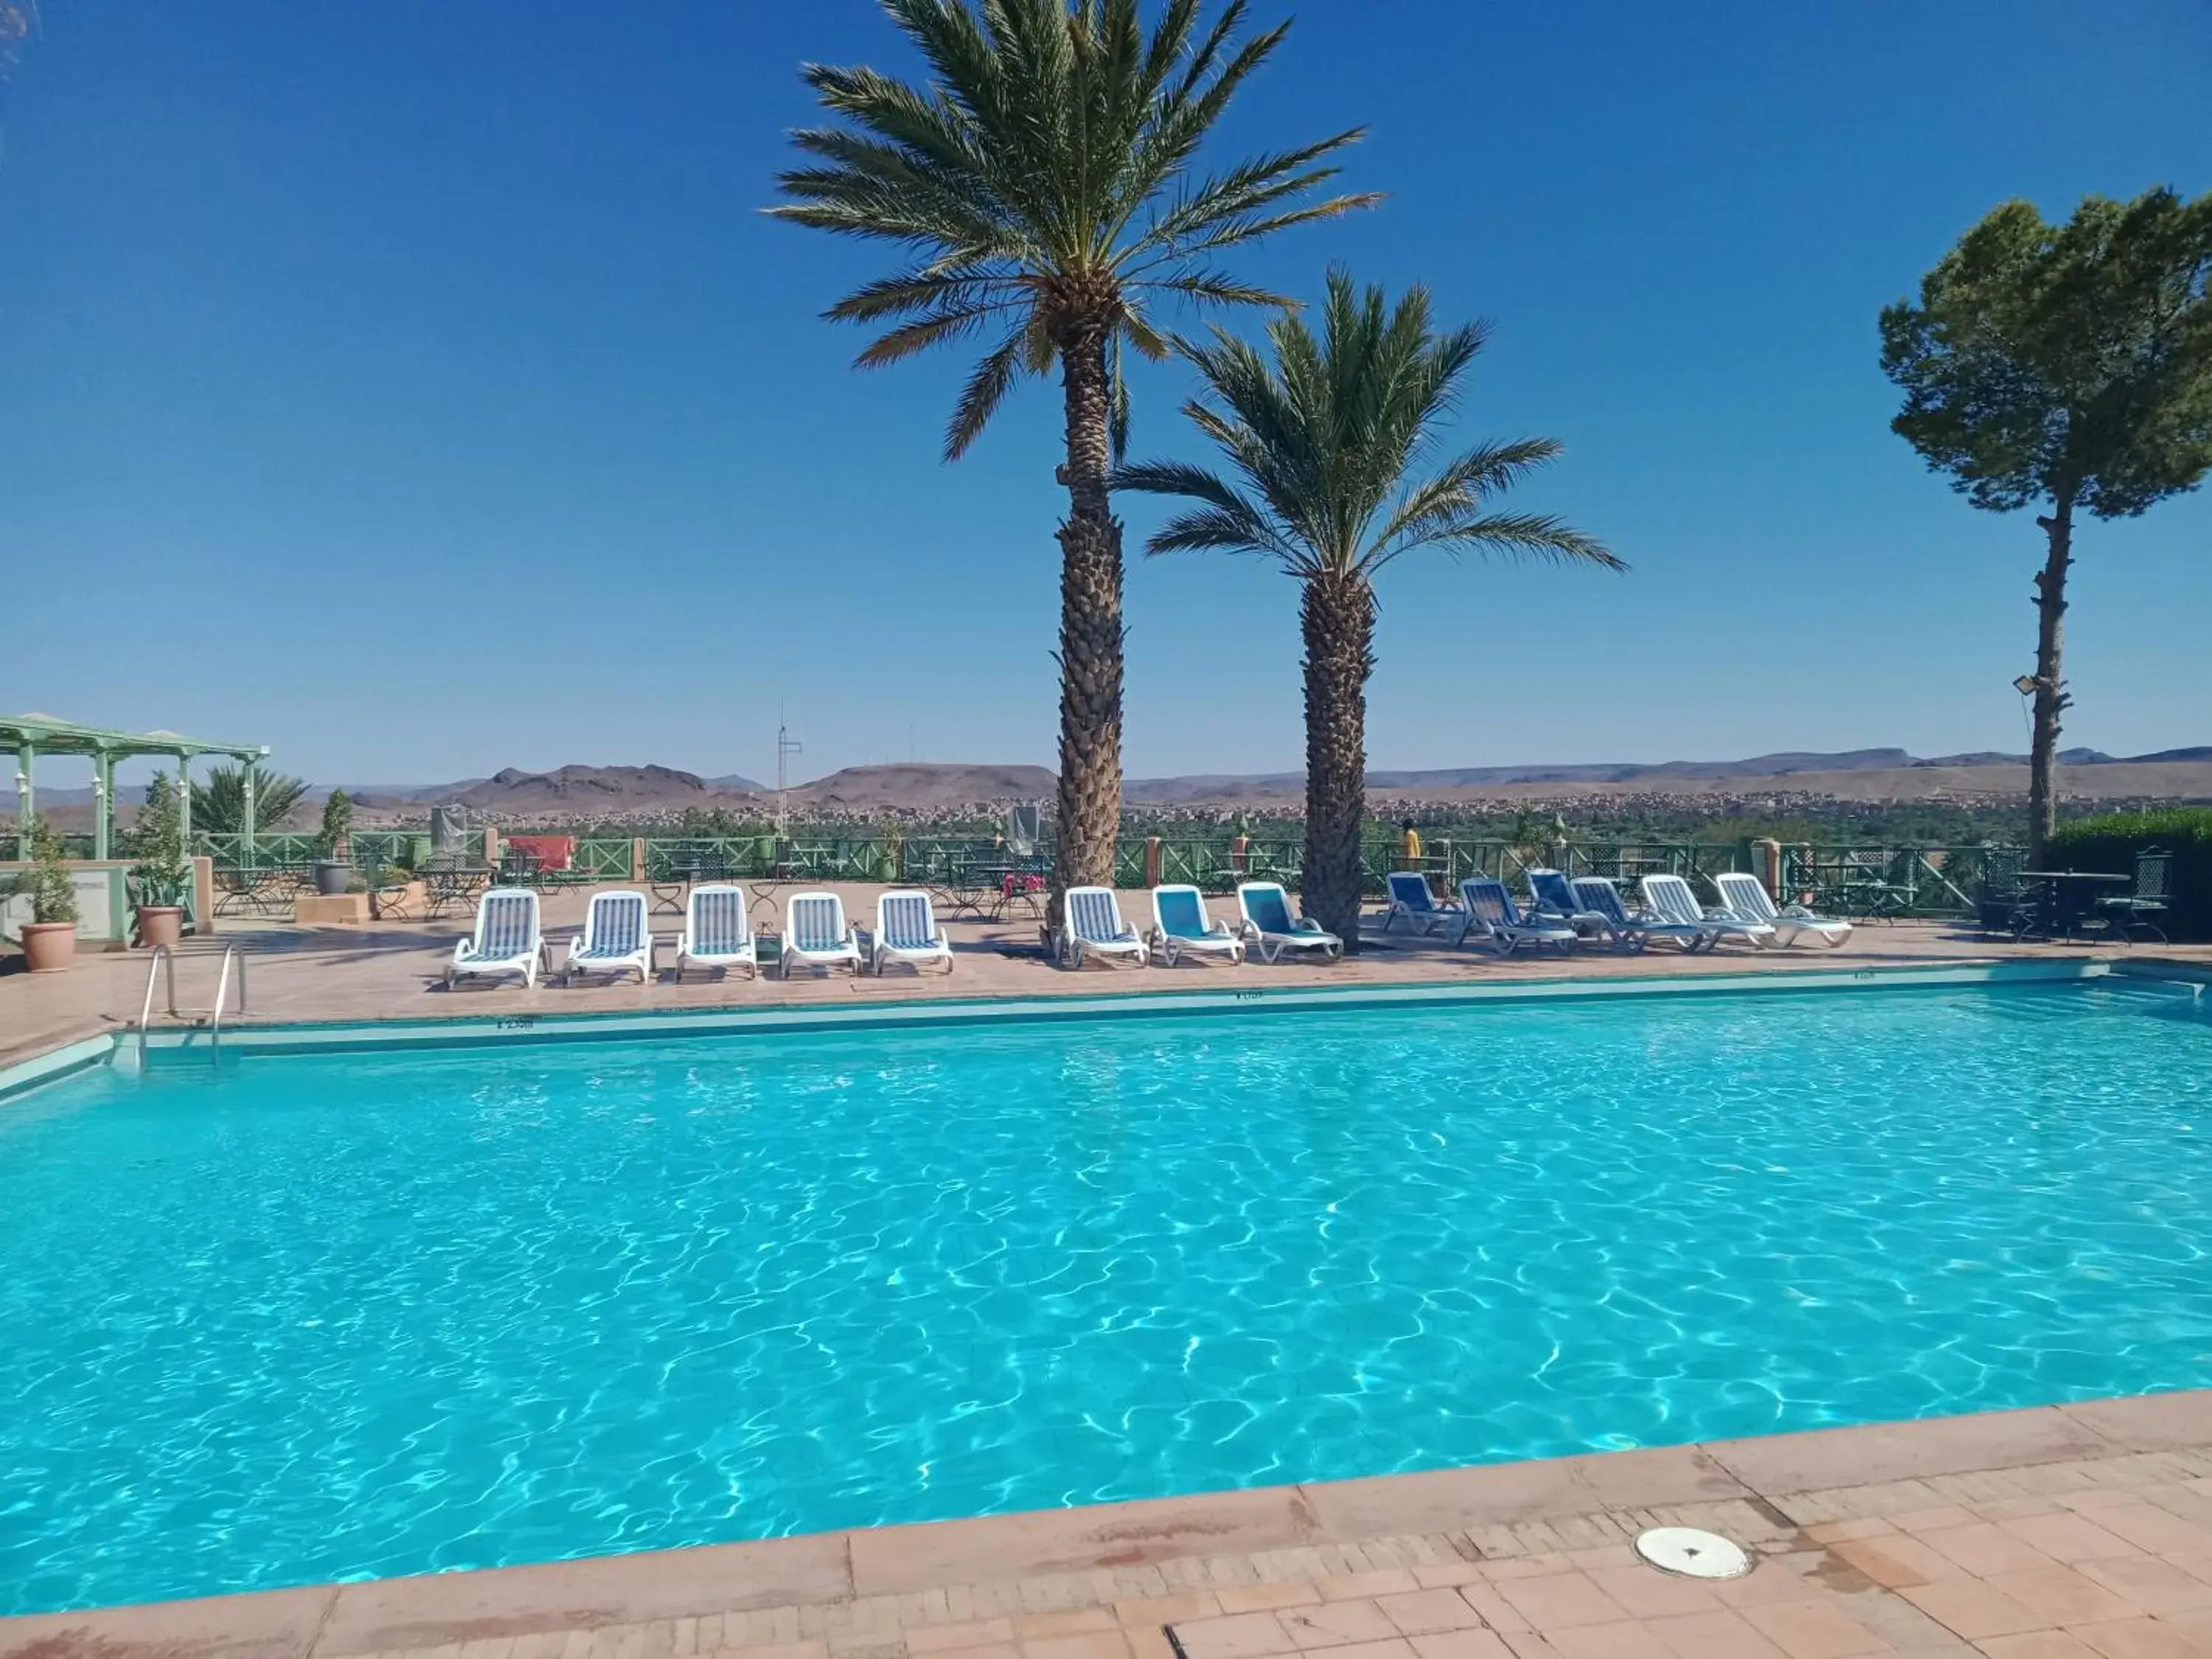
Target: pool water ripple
[{"x": 359, "y": 1315}]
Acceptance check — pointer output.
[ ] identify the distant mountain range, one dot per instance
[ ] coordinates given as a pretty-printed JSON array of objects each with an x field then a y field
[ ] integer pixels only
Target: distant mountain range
[{"x": 590, "y": 791}]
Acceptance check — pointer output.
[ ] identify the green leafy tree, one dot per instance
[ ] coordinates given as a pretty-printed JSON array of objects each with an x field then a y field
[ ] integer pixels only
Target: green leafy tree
[
  {"x": 337, "y": 822},
  {"x": 2069, "y": 368},
  {"x": 219, "y": 800},
  {"x": 163, "y": 873},
  {"x": 1326, "y": 441},
  {"x": 1043, "y": 183},
  {"x": 46, "y": 884}
]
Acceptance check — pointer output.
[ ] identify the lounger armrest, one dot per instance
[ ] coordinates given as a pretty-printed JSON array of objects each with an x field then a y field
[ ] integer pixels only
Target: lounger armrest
[{"x": 461, "y": 948}]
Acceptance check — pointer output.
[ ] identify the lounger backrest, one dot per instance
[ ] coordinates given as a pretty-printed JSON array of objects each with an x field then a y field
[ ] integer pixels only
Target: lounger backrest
[
  {"x": 817, "y": 921},
  {"x": 507, "y": 923},
  {"x": 1551, "y": 891},
  {"x": 1266, "y": 907},
  {"x": 1410, "y": 888},
  {"x": 719, "y": 921},
  {"x": 1181, "y": 912},
  {"x": 1670, "y": 896},
  {"x": 615, "y": 925},
  {"x": 905, "y": 921},
  {"x": 1598, "y": 894},
  {"x": 1092, "y": 913},
  {"x": 1746, "y": 895},
  {"x": 1487, "y": 901}
]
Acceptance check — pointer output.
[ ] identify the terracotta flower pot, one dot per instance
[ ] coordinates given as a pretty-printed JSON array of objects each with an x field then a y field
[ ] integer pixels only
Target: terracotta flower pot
[
  {"x": 49, "y": 946},
  {"x": 160, "y": 924}
]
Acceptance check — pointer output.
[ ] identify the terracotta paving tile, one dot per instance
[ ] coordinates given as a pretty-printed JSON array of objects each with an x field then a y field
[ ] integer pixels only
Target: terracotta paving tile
[
  {"x": 1234, "y": 1636},
  {"x": 1423, "y": 1611},
  {"x": 2150, "y": 1527},
  {"x": 2015, "y": 1509},
  {"x": 1647, "y": 1593},
  {"x": 1815, "y": 1628},
  {"x": 1071, "y": 1622},
  {"x": 1395, "y": 1648},
  {"x": 1947, "y": 1515},
  {"x": 1089, "y": 1644},
  {"x": 1149, "y": 1642},
  {"x": 1722, "y": 1635},
  {"x": 1462, "y": 1644},
  {"x": 1968, "y": 1607},
  {"x": 1333, "y": 1624},
  {"x": 1527, "y": 1566},
  {"x": 1259, "y": 1598},
  {"x": 1527, "y": 1645},
  {"x": 1348, "y": 1587},
  {"x": 2149, "y": 1584},
  {"x": 1631, "y": 1640},
  {"x": 2197, "y": 1563},
  {"x": 1894, "y": 1563},
  {"x": 937, "y": 1639},
  {"x": 1839, "y": 1532},
  {"x": 2036, "y": 1644},
  {"x": 1166, "y": 1609},
  {"x": 1984, "y": 1549},
  {"x": 1497, "y": 1611},
  {"x": 1560, "y": 1600},
  {"x": 2139, "y": 1639},
  {"x": 1775, "y": 1579},
  {"x": 2069, "y": 1536},
  {"x": 988, "y": 1650},
  {"x": 2063, "y": 1595},
  {"x": 1436, "y": 1575}
]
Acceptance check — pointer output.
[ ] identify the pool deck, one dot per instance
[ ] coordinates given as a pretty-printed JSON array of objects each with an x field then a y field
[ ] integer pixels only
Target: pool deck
[
  {"x": 2075, "y": 1532},
  {"x": 393, "y": 971}
]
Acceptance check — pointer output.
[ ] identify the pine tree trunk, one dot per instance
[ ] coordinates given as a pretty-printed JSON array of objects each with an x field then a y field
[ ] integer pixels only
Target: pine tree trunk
[
  {"x": 2050, "y": 698},
  {"x": 1338, "y": 616},
  {"x": 1090, "y": 626}
]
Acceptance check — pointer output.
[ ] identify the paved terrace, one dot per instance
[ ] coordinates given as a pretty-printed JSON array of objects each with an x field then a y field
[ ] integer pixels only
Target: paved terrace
[
  {"x": 390, "y": 970},
  {"x": 2080, "y": 1532}
]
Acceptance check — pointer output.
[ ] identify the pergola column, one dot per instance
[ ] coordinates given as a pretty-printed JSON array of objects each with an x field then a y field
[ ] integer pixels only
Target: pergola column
[
  {"x": 185, "y": 796},
  {"x": 103, "y": 803},
  {"x": 245, "y": 790},
  {"x": 27, "y": 765}
]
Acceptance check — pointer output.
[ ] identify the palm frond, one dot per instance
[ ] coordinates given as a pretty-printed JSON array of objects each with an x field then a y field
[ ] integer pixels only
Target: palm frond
[{"x": 986, "y": 390}]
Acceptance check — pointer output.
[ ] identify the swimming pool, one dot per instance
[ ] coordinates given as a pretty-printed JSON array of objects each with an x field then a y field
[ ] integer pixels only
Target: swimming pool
[{"x": 349, "y": 1315}]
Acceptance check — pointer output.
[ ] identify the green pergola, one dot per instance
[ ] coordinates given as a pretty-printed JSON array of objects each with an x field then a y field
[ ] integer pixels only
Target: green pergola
[{"x": 32, "y": 738}]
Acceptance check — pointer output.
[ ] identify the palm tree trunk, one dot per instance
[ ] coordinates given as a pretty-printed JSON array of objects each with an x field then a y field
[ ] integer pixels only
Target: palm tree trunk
[
  {"x": 2050, "y": 698},
  {"x": 1089, "y": 625},
  {"x": 1338, "y": 616}
]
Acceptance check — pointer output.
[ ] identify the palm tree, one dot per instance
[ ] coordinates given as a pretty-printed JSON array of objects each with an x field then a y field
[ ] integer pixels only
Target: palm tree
[
  {"x": 219, "y": 800},
  {"x": 1043, "y": 183},
  {"x": 1324, "y": 440}
]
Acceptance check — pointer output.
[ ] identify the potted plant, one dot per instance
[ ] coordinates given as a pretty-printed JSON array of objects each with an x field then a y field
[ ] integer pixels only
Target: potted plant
[
  {"x": 50, "y": 936},
  {"x": 162, "y": 875},
  {"x": 334, "y": 870}
]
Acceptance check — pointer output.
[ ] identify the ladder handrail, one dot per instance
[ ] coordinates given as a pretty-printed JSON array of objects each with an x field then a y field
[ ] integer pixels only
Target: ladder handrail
[
  {"x": 161, "y": 954},
  {"x": 221, "y": 984}
]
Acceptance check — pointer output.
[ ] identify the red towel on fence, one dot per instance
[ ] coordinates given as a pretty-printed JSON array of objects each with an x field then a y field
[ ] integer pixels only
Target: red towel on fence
[{"x": 552, "y": 851}]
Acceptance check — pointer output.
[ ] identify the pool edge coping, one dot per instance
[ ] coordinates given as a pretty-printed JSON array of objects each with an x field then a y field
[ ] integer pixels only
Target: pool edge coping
[
  {"x": 417, "y": 1033},
  {"x": 337, "y": 1621}
]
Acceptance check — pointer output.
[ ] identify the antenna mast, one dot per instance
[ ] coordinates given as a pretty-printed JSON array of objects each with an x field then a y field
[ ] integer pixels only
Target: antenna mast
[{"x": 785, "y": 747}]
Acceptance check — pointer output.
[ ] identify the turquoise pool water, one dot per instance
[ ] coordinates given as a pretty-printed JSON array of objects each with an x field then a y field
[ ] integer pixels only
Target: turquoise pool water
[{"x": 354, "y": 1316}]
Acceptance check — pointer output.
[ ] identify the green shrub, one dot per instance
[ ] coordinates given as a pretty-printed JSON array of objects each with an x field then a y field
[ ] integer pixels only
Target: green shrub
[
  {"x": 2110, "y": 842},
  {"x": 337, "y": 824},
  {"x": 162, "y": 874},
  {"x": 46, "y": 884}
]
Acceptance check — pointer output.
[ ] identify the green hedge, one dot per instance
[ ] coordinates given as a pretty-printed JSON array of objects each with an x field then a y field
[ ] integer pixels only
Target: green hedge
[{"x": 2110, "y": 842}]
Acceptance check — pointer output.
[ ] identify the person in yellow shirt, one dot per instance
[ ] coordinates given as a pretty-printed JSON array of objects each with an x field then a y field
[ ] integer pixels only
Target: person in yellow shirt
[{"x": 1409, "y": 847}]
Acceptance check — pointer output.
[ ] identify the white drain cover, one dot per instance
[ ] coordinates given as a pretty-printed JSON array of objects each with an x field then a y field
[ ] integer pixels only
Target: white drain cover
[{"x": 1693, "y": 1553}]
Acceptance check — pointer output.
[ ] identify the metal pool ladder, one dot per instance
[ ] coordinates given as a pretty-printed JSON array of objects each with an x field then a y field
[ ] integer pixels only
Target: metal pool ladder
[{"x": 164, "y": 957}]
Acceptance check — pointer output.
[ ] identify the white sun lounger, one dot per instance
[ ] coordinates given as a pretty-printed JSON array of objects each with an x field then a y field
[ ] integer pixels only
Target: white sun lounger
[
  {"x": 1093, "y": 924},
  {"x": 1181, "y": 926},
  {"x": 1491, "y": 914},
  {"x": 815, "y": 934},
  {"x": 506, "y": 940},
  {"x": 1411, "y": 899},
  {"x": 1266, "y": 909},
  {"x": 907, "y": 931},
  {"x": 615, "y": 939},
  {"x": 1597, "y": 894},
  {"x": 717, "y": 931},
  {"x": 1747, "y": 898},
  {"x": 1669, "y": 899}
]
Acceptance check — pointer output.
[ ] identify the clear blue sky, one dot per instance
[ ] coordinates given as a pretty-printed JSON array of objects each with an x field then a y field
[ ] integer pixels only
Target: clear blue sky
[{"x": 416, "y": 388}]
